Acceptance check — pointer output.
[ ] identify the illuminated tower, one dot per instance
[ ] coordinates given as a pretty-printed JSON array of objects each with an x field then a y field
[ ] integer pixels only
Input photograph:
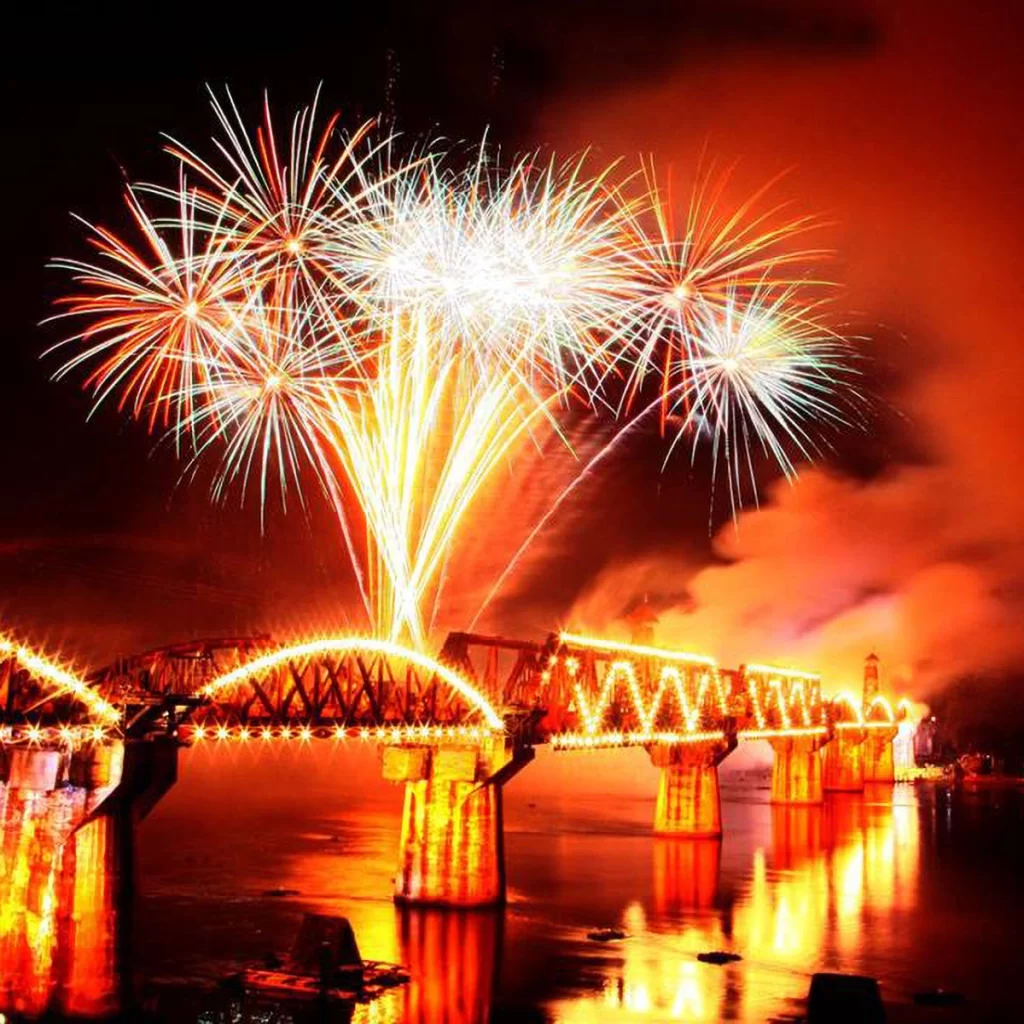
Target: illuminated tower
[
  {"x": 870, "y": 678},
  {"x": 878, "y": 750}
]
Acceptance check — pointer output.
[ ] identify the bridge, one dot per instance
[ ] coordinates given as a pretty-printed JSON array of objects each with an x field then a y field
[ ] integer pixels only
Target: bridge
[{"x": 453, "y": 730}]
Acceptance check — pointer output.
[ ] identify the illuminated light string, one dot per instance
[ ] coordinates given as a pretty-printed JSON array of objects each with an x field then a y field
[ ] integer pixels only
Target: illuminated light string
[
  {"x": 401, "y": 734},
  {"x": 885, "y": 706},
  {"x": 846, "y": 699},
  {"x": 588, "y": 741},
  {"x": 768, "y": 734},
  {"x": 868, "y": 717},
  {"x": 341, "y": 645},
  {"x": 597, "y": 643},
  {"x": 61, "y": 678},
  {"x": 670, "y": 680},
  {"x": 783, "y": 697},
  {"x": 37, "y": 734}
]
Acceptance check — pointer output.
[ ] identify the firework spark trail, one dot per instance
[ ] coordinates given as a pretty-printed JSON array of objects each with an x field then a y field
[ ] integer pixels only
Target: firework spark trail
[
  {"x": 388, "y": 443},
  {"x": 399, "y": 327}
]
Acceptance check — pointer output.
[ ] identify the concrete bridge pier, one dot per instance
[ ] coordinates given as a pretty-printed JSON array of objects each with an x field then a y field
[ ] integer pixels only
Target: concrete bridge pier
[
  {"x": 689, "y": 803},
  {"x": 796, "y": 771},
  {"x": 844, "y": 762},
  {"x": 65, "y": 867},
  {"x": 879, "y": 763},
  {"x": 452, "y": 851}
]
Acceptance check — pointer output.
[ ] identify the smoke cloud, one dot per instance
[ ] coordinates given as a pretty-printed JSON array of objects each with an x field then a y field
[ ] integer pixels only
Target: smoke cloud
[{"x": 906, "y": 146}]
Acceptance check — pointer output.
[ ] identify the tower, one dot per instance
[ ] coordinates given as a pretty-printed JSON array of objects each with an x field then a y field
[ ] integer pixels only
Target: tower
[{"x": 870, "y": 678}]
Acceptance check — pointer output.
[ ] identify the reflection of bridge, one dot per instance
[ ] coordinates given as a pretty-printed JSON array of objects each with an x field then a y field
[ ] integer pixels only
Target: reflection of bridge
[{"x": 453, "y": 730}]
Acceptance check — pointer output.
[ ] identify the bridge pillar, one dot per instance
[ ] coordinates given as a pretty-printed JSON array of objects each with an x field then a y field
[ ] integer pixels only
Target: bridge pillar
[
  {"x": 796, "y": 771},
  {"x": 65, "y": 848},
  {"x": 451, "y": 851},
  {"x": 33, "y": 769},
  {"x": 879, "y": 763},
  {"x": 689, "y": 803},
  {"x": 844, "y": 762}
]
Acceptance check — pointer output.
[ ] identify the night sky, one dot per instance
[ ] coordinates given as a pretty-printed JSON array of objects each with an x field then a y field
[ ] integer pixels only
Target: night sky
[{"x": 901, "y": 128}]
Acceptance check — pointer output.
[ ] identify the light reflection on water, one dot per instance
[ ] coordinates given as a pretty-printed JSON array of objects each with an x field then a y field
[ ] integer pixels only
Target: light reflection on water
[
  {"x": 802, "y": 907},
  {"x": 864, "y": 884}
]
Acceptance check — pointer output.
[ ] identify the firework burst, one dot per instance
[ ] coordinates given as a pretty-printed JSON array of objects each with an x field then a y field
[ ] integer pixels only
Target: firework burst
[
  {"x": 683, "y": 270},
  {"x": 762, "y": 374},
  {"x": 399, "y": 327}
]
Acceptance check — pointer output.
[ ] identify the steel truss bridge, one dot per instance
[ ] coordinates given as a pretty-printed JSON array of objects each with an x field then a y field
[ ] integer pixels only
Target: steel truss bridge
[
  {"x": 571, "y": 691},
  {"x": 453, "y": 730}
]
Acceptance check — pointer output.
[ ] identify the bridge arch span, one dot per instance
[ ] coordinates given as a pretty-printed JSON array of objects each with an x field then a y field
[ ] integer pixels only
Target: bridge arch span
[{"x": 288, "y": 664}]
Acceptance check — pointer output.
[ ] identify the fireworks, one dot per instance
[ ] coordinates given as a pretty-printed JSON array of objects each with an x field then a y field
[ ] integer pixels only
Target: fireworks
[
  {"x": 760, "y": 373},
  {"x": 395, "y": 328}
]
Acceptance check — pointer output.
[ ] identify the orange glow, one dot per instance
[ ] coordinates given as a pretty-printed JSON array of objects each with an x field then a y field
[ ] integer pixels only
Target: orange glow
[
  {"x": 449, "y": 851},
  {"x": 685, "y": 873},
  {"x": 796, "y": 770},
  {"x": 92, "y": 981},
  {"x": 452, "y": 960},
  {"x": 844, "y": 763}
]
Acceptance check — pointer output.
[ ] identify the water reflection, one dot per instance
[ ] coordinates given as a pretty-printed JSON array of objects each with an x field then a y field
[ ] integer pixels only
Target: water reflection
[
  {"x": 792, "y": 890},
  {"x": 453, "y": 960},
  {"x": 808, "y": 901},
  {"x": 685, "y": 873}
]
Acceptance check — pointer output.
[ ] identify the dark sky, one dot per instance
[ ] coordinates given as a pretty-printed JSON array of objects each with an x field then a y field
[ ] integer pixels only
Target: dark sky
[{"x": 884, "y": 115}]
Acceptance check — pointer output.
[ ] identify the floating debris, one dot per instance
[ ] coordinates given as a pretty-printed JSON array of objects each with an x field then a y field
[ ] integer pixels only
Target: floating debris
[
  {"x": 281, "y": 892},
  {"x": 606, "y": 935},
  {"x": 718, "y": 957}
]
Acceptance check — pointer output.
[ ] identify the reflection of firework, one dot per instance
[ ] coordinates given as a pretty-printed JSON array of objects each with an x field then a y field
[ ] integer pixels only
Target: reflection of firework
[{"x": 401, "y": 327}]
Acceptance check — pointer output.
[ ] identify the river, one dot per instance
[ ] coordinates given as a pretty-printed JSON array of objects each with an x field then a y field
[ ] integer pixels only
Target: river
[{"x": 917, "y": 885}]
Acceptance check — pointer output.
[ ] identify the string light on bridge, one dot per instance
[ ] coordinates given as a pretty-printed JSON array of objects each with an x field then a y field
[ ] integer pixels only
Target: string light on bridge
[
  {"x": 65, "y": 681},
  {"x": 403, "y": 735},
  {"x": 597, "y": 643}
]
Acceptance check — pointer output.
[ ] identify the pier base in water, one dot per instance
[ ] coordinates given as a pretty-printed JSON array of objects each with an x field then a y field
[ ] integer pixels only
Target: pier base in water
[
  {"x": 796, "y": 772},
  {"x": 451, "y": 851},
  {"x": 879, "y": 763},
  {"x": 689, "y": 803},
  {"x": 844, "y": 762}
]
